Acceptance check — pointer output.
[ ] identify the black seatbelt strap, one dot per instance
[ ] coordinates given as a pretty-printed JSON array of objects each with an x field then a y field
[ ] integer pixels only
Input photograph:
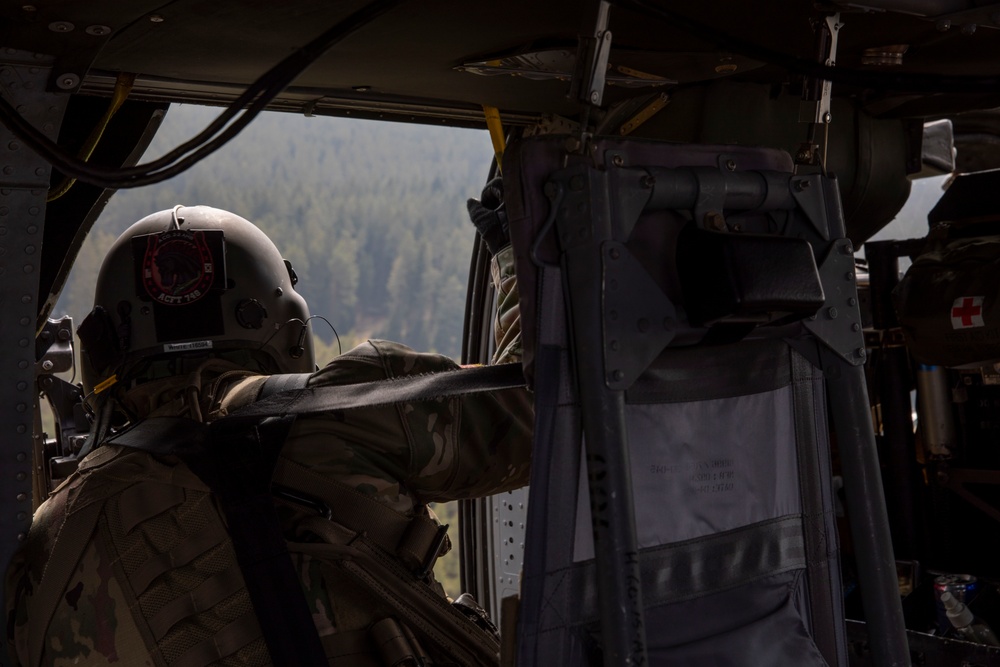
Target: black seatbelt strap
[
  {"x": 235, "y": 458},
  {"x": 301, "y": 400}
]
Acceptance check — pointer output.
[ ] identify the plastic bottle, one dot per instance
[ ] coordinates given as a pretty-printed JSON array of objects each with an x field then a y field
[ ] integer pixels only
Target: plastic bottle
[{"x": 971, "y": 628}]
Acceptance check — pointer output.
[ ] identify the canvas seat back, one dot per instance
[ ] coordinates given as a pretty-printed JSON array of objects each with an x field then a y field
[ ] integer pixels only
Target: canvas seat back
[{"x": 705, "y": 266}]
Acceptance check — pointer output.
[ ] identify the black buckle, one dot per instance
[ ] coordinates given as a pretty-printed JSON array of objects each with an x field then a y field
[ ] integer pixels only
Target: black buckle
[{"x": 432, "y": 553}]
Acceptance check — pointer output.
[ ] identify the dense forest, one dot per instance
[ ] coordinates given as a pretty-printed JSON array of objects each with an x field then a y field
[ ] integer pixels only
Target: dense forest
[{"x": 371, "y": 215}]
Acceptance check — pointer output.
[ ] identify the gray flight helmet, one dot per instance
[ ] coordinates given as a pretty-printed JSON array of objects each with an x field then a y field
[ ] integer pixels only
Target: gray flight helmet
[{"x": 189, "y": 282}]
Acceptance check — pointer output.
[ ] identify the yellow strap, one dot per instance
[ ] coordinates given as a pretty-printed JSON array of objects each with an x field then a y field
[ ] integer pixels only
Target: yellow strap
[
  {"x": 495, "y": 127},
  {"x": 103, "y": 385},
  {"x": 123, "y": 86}
]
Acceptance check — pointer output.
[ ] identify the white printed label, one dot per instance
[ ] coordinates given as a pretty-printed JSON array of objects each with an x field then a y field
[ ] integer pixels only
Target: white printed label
[{"x": 182, "y": 347}]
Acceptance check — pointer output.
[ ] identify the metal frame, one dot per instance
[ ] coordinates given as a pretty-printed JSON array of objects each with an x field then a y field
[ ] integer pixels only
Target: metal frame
[{"x": 24, "y": 183}]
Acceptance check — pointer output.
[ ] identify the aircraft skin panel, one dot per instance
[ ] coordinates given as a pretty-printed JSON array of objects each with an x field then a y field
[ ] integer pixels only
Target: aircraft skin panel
[{"x": 23, "y": 187}]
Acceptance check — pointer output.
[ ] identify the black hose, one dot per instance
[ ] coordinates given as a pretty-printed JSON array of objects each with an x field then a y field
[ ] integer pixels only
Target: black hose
[{"x": 258, "y": 96}]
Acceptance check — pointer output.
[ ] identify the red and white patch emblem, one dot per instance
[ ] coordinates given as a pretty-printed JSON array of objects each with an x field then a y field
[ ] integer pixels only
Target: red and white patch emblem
[
  {"x": 177, "y": 267},
  {"x": 967, "y": 313}
]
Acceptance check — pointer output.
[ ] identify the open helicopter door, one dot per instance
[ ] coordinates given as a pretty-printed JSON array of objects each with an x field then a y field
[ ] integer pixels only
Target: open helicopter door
[{"x": 687, "y": 312}]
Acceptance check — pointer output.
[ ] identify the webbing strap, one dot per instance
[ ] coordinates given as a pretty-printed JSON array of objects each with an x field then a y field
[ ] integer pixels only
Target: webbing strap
[
  {"x": 822, "y": 610},
  {"x": 210, "y": 536},
  {"x": 225, "y": 642},
  {"x": 142, "y": 502},
  {"x": 405, "y": 389},
  {"x": 685, "y": 570},
  {"x": 212, "y": 591},
  {"x": 275, "y": 384},
  {"x": 235, "y": 458}
]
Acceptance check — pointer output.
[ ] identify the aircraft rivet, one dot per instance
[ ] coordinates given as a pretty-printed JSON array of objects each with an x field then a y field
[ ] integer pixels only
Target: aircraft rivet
[
  {"x": 21, "y": 407},
  {"x": 28, "y": 268},
  {"x": 618, "y": 160},
  {"x": 21, "y": 386},
  {"x": 21, "y": 537},
  {"x": 731, "y": 165},
  {"x": 68, "y": 81},
  {"x": 852, "y": 301},
  {"x": 855, "y": 327},
  {"x": 847, "y": 249},
  {"x": 860, "y": 352},
  {"x": 21, "y": 456},
  {"x": 33, "y": 210},
  {"x": 25, "y": 321},
  {"x": 64, "y": 334},
  {"x": 13, "y": 145},
  {"x": 31, "y": 229},
  {"x": 278, "y": 292},
  {"x": 156, "y": 18},
  {"x": 619, "y": 376},
  {"x": 21, "y": 428},
  {"x": 21, "y": 516},
  {"x": 22, "y": 497},
  {"x": 20, "y": 476},
  {"x": 849, "y": 275},
  {"x": 22, "y": 364},
  {"x": 23, "y": 342},
  {"x": 615, "y": 254},
  {"x": 8, "y": 170},
  {"x": 40, "y": 171},
  {"x": 98, "y": 30},
  {"x": 832, "y": 313},
  {"x": 61, "y": 26}
]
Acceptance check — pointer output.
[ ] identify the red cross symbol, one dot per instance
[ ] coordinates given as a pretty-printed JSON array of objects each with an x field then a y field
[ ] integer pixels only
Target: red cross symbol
[{"x": 967, "y": 312}]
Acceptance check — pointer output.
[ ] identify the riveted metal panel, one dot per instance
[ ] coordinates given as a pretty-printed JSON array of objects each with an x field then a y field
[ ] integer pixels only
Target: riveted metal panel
[{"x": 24, "y": 183}]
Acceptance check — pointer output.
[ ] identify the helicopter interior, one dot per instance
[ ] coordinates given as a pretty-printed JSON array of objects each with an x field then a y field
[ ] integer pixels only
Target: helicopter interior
[{"x": 819, "y": 115}]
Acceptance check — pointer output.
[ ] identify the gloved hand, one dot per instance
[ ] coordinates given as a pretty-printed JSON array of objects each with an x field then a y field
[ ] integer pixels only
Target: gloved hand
[{"x": 489, "y": 216}]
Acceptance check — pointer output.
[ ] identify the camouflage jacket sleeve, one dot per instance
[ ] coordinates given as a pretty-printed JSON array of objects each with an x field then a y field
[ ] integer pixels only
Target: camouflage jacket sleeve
[{"x": 431, "y": 451}]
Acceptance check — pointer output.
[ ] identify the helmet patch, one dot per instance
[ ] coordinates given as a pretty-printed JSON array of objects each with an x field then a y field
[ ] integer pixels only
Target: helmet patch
[{"x": 177, "y": 267}]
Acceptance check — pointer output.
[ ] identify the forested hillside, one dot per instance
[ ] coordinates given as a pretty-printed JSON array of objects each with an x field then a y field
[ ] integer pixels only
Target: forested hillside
[{"x": 372, "y": 216}]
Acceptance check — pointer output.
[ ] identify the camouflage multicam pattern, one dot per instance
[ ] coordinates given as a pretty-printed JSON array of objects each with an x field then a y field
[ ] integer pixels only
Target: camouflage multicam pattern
[{"x": 403, "y": 456}]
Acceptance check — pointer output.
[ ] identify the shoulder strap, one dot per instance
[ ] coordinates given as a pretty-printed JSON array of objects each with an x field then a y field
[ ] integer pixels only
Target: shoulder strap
[
  {"x": 288, "y": 398},
  {"x": 275, "y": 384},
  {"x": 235, "y": 458}
]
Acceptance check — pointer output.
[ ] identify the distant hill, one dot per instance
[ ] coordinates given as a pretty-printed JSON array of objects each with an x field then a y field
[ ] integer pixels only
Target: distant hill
[{"x": 372, "y": 216}]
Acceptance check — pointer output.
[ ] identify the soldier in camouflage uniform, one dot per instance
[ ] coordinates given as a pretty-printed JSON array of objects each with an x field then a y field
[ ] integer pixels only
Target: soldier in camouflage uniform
[{"x": 129, "y": 562}]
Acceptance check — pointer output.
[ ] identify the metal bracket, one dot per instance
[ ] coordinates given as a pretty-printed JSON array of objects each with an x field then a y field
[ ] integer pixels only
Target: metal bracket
[
  {"x": 598, "y": 53},
  {"x": 838, "y": 323},
  {"x": 818, "y": 110},
  {"x": 638, "y": 317}
]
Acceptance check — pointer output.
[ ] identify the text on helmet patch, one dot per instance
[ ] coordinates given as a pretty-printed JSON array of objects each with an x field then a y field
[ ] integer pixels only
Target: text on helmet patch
[{"x": 177, "y": 267}]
